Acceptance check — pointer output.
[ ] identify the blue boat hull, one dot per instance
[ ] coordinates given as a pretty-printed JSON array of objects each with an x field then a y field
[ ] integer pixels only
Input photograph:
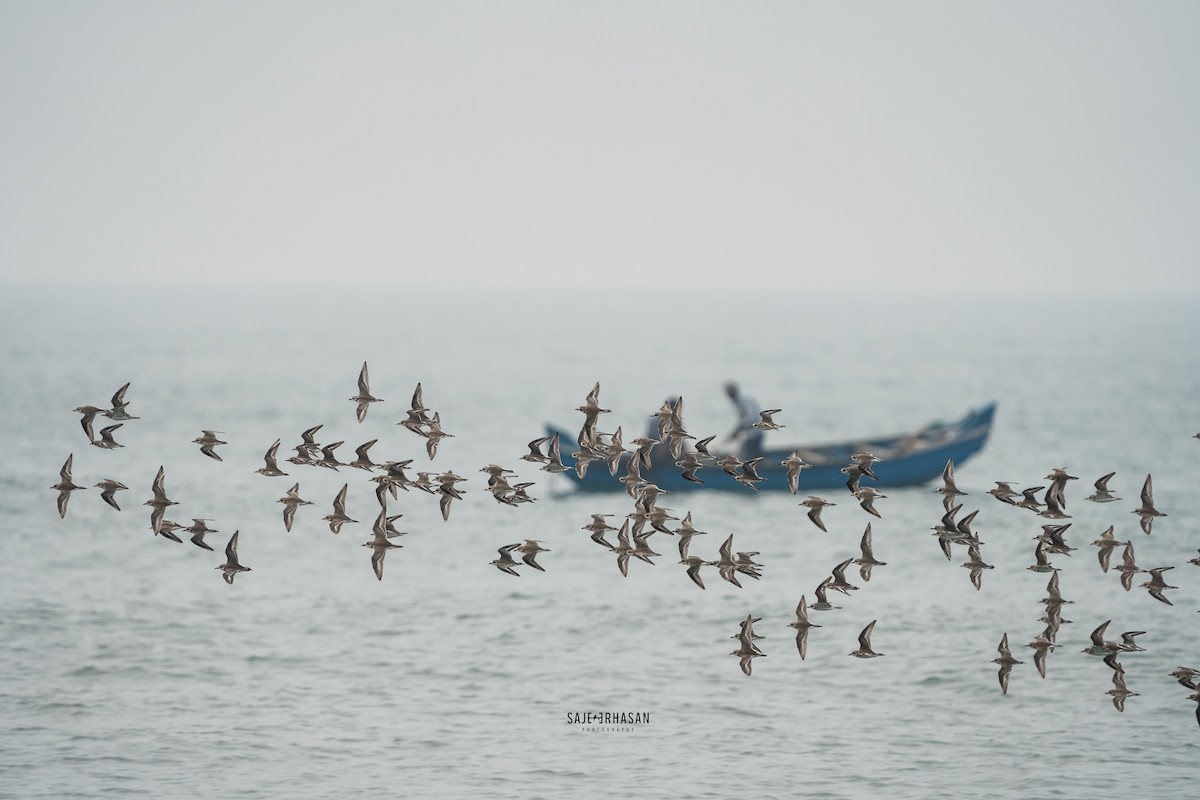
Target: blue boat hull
[{"x": 909, "y": 460}]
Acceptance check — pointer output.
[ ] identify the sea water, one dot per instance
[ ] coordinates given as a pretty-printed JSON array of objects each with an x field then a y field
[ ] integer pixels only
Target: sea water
[{"x": 129, "y": 668}]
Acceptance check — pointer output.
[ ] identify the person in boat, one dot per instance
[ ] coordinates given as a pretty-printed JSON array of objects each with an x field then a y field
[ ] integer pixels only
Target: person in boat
[{"x": 745, "y": 437}]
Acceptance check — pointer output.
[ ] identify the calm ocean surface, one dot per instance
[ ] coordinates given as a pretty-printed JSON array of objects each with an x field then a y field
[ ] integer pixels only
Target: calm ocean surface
[{"x": 129, "y": 668}]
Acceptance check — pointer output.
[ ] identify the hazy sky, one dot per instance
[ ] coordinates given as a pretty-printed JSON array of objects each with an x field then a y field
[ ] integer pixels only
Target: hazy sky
[{"x": 615, "y": 144}]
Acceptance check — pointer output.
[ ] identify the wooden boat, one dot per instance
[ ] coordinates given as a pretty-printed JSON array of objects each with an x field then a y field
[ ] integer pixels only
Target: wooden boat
[{"x": 909, "y": 459}]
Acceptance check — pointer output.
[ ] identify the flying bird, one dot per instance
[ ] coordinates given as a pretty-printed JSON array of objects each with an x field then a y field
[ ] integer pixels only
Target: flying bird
[
  {"x": 1006, "y": 661},
  {"x": 271, "y": 470},
  {"x": 1146, "y": 511},
  {"x": 65, "y": 485},
  {"x": 108, "y": 488},
  {"x": 864, "y": 643},
  {"x": 364, "y": 400},
  {"x": 232, "y": 566},
  {"x": 208, "y": 441}
]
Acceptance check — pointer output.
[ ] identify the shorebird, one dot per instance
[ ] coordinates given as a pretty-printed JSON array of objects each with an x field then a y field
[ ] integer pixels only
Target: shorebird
[
  {"x": 1006, "y": 662},
  {"x": 822, "y": 603},
  {"x": 1119, "y": 691},
  {"x": 86, "y": 421},
  {"x": 867, "y": 560},
  {"x": 328, "y": 459},
  {"x": 364, "y": 400},
  {"x": 794, "y": 464},
  {"x": 726, "y": 565},
  {"x": 641, "y": 547},
  {"x": 65, "y": 486},
  {"x": 1107, "y": 543},
  {"x": 535, "y": 453},
  {"x": 159, "y": 503},
  {"x": 520, "y": 493},
  {"x": 616, "y": 449},
  {"x": 802, "y": 625},
  {"x": 1146, "y": 510},
  {"x": 231, "y": 567},
  {"x": 864, "y": 460},
  {"x": 198, "y": 530},
  {"x": 307, "y": 449},
  {"x": 1054, "y": 621},
  {"x": 867, "y": 497},
  {"x": 424, "y": 482},
  {"x": 271, "y": 470},
  {"x": 642, "y": 454},
  {"x": 963, "y": 529},
  {"x": 864, "y": 643},
  {"x": 746, "y": 631},
  {"x": 947, "y": 531},
  {"x": 647, "y": 495},
  {"x": 702, "y": 455},
  {"x": 1029, "y": 500},
  {"x": 166, "y": 528},
  {"x": 447, "y": 492},
  {"x": 1058, "y": 483},
  {"x": 591, "y": 409},
  {"x": 531, "y": 547},
  {"x": 1004, "y": 492},
  {"x": 1128, "y": 645},
  {"x": 750, "y": 476},
  {"x": 1053, "y": 594},
  {"x": 553, "y": 457},
  {"x": 838, "y": 580},
  {"x": 291, "y": 501},
  {"x": 1196, "y": 696},
  {"x": 505, "y": 562},
  {"x": 1128, "y": 568},
  {"x": 976, "y": 564},
  {"x": 584, "y": 456},
  {"x": 677, "y": 440},
  {"x": 747, "y": 565},
  {"x": 1099, "y": 647},
  {"x": 108, "y": 487},
  {"x": 379, "y": 543},
  {"x": 665, "y": 415},
  {"x": 339, "y": 517},
  {"x": 208, "y": 442},
  {"x": 1156, "y": 585},
  {"x": 599, "y": 527},
  {"x": 685, "y": 532},
  {"x": 598, "y": 536},
  {"x": 765, "y": 423},
  {"x": 1041, "y": 561},
  {"x": 694, "y": 564},
  {"x": 746, "y": 654},
  {"x": 106, "y": 438},
  {"x": 623, "y": 549},
  {"x": 362, "y": 458},
  {"x": 656, "y": 516},
  {"x": 1186, "y": 677},
  {"x": 691, "y": 464},
  {"x": 854, "y": 474},
  {"x": 416, "y": 417},
  {"x": 390, "y": 526},
  {"x": 948, "y": 489},
  {"x": 1053, "y": 536},
  {"x": 815, "y": 504},
  {"x": 118, "y": 412},
  {"x": 496, "y": 474},
  {"x": 1053, "y": 509},
  {"x": 1041, "y": 644},
  {"x": 1102, "y": 495}
]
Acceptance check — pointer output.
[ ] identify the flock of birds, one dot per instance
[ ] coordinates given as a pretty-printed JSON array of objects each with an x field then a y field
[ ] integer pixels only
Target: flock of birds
[{"x": 647, "y": 517}]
